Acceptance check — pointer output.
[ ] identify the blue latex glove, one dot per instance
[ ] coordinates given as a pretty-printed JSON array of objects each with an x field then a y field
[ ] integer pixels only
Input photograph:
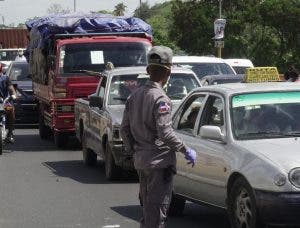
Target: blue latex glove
[{"x": 191, "y": 156}]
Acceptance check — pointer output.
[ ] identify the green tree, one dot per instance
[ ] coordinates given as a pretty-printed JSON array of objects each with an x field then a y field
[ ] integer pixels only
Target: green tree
[
  {"x": 120, "y": 9},
  {"x": 266, "y": 31},
  {"x": 143, "y": 12},
  {"x": 161, "y": 20},
  {"x": 105, "y": 12}
]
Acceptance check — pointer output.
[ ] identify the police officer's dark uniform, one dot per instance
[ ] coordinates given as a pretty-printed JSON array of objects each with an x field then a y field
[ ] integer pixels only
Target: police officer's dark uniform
[{"x": 146, "y": 129}]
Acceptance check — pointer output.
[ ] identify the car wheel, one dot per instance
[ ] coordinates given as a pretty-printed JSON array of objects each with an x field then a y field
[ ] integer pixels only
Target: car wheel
[
  {"x": 60, "y": 139},
  {"x": 177, "y": 205},
  {"x": 242, "y": 206},
  {"x": 44, "y": 131},
  {"x": 89, "y": 156},
  {"x": 112, "y": 171}
]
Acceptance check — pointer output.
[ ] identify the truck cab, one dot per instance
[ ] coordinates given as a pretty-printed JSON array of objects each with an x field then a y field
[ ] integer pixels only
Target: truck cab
[{"x": 71, "y": 74}]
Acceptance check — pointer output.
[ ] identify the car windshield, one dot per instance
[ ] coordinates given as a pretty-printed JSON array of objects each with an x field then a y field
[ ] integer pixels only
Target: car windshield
[
  {"x": 221, "y": 81},
  {"x": 8, "y": 55},
  {"x": 19, "y": 72},
  {"x": 240, "y": 69},
  {"x": 78, "y": 58},
  {"x": 180, "y": 84},
  {"x": 203, "y": 69},
  {"x": 266, "y": 115},
  {"x": 122, "y": 86}
]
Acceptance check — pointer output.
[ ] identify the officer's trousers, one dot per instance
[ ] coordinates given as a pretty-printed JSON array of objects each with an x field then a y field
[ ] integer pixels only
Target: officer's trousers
[{"x": 155, "y": 196}]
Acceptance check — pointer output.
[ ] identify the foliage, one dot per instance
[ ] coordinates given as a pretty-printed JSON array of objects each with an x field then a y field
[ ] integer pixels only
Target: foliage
[
  {"x": 105, "y": 12},
  {"x": 119, "y": 9},
  {"x": 266, "y": 31},
  {"x": 57, "y": 8},
  {"x": 144, "y": 12}
]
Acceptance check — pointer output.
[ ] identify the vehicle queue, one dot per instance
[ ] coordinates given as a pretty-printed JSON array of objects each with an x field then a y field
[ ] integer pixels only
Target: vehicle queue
[{"x": 237, "y": 131}]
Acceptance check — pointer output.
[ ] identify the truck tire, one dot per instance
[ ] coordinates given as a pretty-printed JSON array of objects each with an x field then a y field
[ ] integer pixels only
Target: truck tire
[
  {"x": 112, "y": 171},
  {"x": 89, "y": 156},
  {"x": 60, "y": 139},
  {"x": 44, "y": 131},
  {"x": 177, "y": 205}
]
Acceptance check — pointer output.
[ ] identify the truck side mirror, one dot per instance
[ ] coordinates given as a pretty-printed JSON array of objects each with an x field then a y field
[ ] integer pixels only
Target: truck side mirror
[
  {"x": 51, "y": 61},
  {"x": 95, "y": 101}
]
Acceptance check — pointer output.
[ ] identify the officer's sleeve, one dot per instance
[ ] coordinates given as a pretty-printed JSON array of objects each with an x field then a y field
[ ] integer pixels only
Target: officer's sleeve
[
  {"x": 163, "y": 117},
  {"x": 125, "y": 132}
]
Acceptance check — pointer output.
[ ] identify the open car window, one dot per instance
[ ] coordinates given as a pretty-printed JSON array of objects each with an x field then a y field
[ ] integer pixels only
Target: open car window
[
  {"x": 213, "y": 113},
  {"x": 189, "y": 113}
]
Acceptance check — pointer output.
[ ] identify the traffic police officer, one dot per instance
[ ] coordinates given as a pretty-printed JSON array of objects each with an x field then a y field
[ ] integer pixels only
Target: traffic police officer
[{"x": 146, "y": 130}]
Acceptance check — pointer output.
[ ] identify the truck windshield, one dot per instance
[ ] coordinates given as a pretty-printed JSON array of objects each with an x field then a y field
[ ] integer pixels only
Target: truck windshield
[
  {"x": 96, "y": 56},
  {"x": 123, "y": 85},
  {"x": 266, "y": 115},
  {"x": 204, "y": 69},
  {"x": 8, "y": 55},
  {"x": 177, "y": 87}
]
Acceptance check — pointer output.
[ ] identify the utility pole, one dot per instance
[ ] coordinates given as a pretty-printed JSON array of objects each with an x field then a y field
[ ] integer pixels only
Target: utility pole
[
  {"x": 140, "y": 8},
  {"x": 74, "y": 5}
]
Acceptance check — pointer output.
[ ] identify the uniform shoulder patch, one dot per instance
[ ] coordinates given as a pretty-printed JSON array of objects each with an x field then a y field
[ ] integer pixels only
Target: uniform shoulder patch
[{"x": 163, "y": 107}]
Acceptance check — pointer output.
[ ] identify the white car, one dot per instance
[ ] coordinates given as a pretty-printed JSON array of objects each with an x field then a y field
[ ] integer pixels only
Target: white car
[
  {"x": 204, "y": 65},
  {"x": 247, "y": 140},
  {"x": 240, "y": 65}
]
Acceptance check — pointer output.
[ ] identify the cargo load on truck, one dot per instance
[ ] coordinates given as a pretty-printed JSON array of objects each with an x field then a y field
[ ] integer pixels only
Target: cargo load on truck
[{"x": 44, "y": 31}]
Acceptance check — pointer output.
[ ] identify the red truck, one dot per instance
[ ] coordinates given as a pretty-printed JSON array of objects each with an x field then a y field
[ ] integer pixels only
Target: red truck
[{"x": 65, "y": 71}]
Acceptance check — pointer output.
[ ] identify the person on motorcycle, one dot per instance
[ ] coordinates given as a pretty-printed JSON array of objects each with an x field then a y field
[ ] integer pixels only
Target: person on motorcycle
[{"x": 7, "y": 89}]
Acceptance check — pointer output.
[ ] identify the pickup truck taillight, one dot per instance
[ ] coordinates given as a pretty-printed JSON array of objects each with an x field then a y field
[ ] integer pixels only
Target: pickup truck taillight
[
  {"x": 59, "y": 92},
  {"x": 60, "y": 108}
]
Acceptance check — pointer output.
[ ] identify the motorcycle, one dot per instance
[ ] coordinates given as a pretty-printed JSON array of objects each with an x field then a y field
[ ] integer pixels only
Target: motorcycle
[{"x": 4, "y": 105}]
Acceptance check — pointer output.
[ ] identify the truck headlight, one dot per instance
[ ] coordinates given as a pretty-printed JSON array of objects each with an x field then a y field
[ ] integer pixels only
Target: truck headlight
[{"x": 294, "y": 177}]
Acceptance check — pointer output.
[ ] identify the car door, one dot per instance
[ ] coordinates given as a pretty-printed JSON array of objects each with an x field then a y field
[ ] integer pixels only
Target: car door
[
  {"x": 184, "y": 123},
  {"x": 207, "y": 178},
  {"x": 97, "y": 117}
]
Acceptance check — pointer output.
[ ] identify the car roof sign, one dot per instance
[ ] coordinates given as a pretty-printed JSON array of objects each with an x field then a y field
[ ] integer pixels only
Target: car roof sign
[{"x": 261, "y": 74}]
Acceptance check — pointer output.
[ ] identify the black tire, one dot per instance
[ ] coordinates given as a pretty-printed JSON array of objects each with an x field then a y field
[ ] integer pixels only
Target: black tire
[
  {"x": 112, "y": 171},
  {"x": 44, "y": 131},
  {"x": 177, "y": 206},
  {"x": 89, "y": 156},
  {"x": 60, "y": 139},
  {"x": 1, "y": 140},
  {"x": 242, "y": 206}
]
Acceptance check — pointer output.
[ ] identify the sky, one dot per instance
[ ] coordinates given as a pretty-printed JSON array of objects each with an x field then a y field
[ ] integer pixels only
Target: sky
[{"x": 18, "y": 11}]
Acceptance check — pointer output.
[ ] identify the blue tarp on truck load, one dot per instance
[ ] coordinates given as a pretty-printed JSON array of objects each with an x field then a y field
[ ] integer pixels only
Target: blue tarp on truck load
[{"x": 44, "y": 28}]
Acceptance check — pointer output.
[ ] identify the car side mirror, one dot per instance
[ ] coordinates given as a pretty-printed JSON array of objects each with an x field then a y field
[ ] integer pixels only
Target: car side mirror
[
  {"x": 212, "y": 133},
  {"x": 95, "y": 101}
]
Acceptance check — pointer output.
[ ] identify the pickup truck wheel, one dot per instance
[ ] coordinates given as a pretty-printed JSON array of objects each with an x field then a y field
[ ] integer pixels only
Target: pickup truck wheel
[
  {"x": 89, "y": 156},
  {"x": 44, "y": 131},
  {"x": 60, "y": 139},
  {"x": 177, "y": 206},
  {"x": 242, "y": 206},
  {"x": 112, "y": 171}
]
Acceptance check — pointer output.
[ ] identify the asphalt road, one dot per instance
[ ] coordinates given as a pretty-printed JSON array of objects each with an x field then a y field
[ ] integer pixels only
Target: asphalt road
[{"x": 41, "y": 186}]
